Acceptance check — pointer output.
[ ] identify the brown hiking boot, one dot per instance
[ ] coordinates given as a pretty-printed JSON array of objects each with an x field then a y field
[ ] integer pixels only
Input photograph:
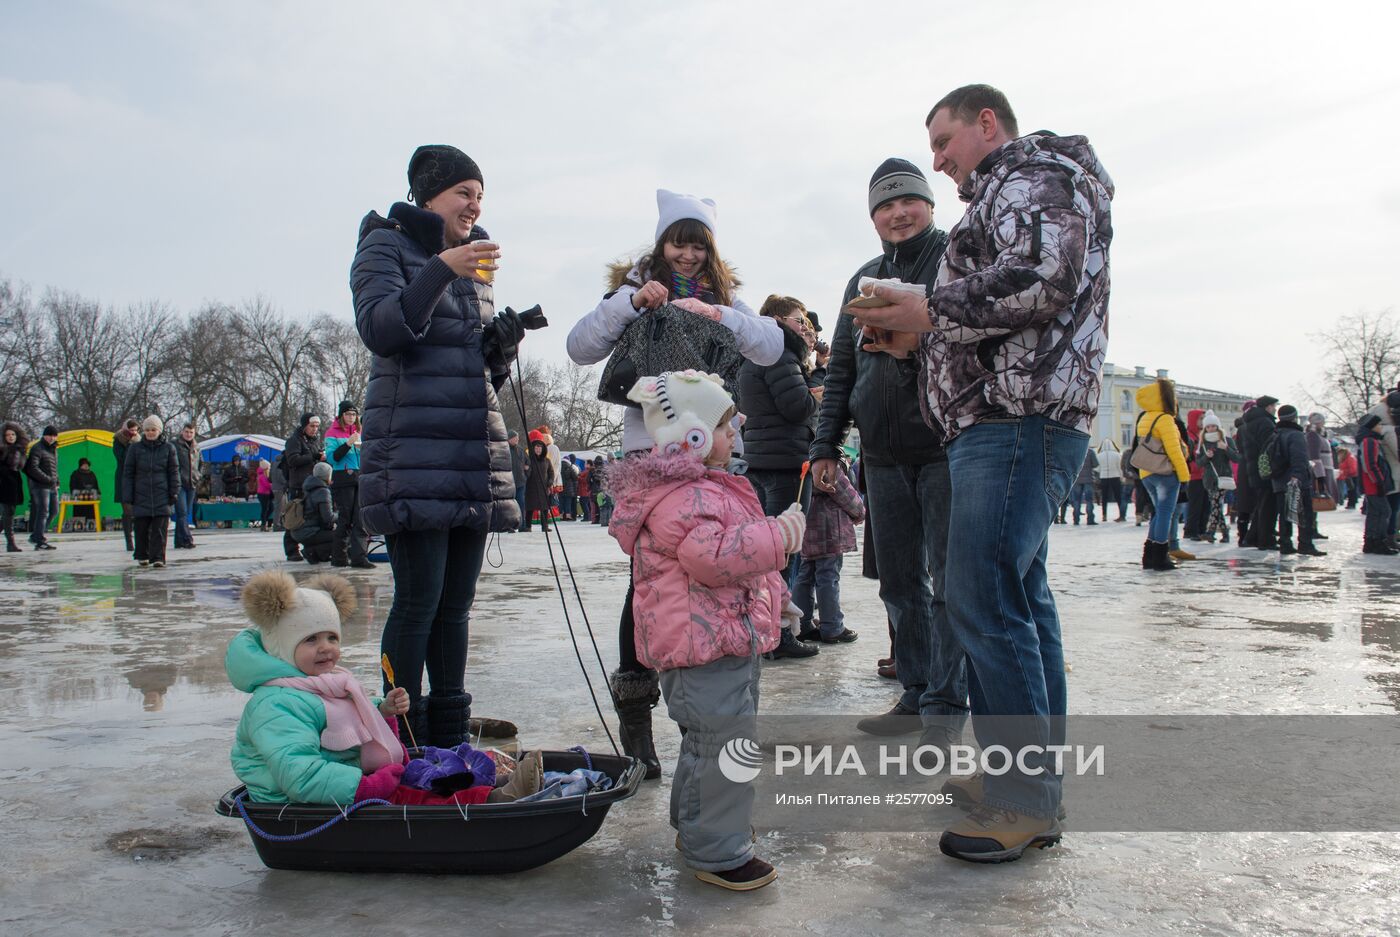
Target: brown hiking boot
[
  {"x": 751, "y": 875},
  {"x": 966, "y": 792},
  {"x": 525, "y": 779},
  {"x": 992, "y": 834},
  {"x": 898, "y": 721}
]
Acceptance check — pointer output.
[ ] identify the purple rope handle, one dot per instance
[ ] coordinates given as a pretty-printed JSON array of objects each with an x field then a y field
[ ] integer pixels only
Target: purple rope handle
[{"x": 274, "y": 838}]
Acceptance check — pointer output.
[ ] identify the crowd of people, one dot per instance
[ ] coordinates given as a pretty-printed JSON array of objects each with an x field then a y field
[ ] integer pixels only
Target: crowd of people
[
  {"x": 1259, "y": 483},
  {"x": 969, "y": 362}
]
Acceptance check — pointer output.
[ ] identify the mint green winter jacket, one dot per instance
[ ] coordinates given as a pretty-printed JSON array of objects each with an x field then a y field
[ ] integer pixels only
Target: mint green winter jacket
[{"x": 277, "y": 751}]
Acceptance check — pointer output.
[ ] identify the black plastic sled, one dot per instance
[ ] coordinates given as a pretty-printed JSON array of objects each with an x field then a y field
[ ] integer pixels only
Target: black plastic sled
[{"x": 480, "y": 839}]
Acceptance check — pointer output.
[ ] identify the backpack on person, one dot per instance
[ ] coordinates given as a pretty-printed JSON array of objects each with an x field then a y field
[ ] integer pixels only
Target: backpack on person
[
  {"x": 1273, "y": 459},
  {"x": 293, "y": 514},
  {"x": 669, "y": 339}
]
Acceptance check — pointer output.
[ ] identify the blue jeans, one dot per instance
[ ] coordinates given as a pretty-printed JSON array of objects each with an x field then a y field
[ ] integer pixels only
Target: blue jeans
[
  {"x": 1009, "y": 477},
  {"x": 184, "y": 507},
  {"x": 520, "y": 499},
  {"x": 39, "y": 499},
  {"x": 1082, "y": 493},
  {"x": 1163, "y": 490},
  {"x": 819, "y": 577},
  {"x": 909, "y": 525},
  {"x": 435, "y": 573}
]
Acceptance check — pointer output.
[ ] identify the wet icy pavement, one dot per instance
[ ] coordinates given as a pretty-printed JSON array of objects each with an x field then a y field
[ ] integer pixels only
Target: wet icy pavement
[{"x": 118, "y": 720}]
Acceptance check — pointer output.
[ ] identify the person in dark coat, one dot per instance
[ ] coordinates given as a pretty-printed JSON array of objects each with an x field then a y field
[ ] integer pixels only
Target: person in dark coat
[
  {"x": 41, "y": 468},
  {"x": 317, "y": 531},
  {"x": 124, "y": 438},
  {"x": 435, "y": 469},
  {"x": 302, "y": 451},
  {"x": 539, "y": 480},
  {"x": 235, "y": 478},
  {"x": 194, "y": 484},
  {"x": 1293, "y": 486},
  {"x": 517, "y": 470},
  {"x": 568, "y": 479},
  {"x": 904, "y": 468},
  {"x": 150, "y": 485},
  {"x": 1258, "y": 429},
  {"x": 13, "y": 450},
  {"x": 780, "y": 411}
]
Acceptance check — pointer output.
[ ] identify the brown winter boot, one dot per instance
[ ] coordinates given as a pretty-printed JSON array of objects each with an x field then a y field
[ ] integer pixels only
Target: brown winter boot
[{"x": 524, "y": 780}]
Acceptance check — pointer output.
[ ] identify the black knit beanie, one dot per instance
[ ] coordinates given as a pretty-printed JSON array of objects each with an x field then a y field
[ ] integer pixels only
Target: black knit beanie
[
  {"x": 346, "y": 405},
  {"x": 437, "y": 167},
  {"x": 50, "y": 431},
  {"x": 898, "y": 178},
  {"x": 1288, "y": 412}
]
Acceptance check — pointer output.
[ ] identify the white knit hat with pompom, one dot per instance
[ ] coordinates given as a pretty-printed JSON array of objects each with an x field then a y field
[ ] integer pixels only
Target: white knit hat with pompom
[{"x": 287, "y": 615}]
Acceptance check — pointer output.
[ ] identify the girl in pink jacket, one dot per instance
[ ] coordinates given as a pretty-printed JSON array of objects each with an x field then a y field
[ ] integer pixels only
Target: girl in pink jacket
[{"x": 709, "y": 600}]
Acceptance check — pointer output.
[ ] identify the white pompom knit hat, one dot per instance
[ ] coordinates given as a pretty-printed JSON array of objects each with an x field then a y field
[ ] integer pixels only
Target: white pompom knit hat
[
  {"x": 681, "y": 410},
  {"x": 673, "y": 206},
  {"x": 287, "y": 615}
]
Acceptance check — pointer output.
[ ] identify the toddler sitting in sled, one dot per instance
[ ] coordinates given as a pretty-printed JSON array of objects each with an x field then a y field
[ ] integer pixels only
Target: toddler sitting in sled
[{"x": 311, "y": 734}]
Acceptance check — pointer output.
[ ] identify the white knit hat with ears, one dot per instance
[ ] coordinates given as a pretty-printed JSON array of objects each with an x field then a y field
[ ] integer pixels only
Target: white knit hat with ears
[
  {"x": 673, "y": 206},
  {"x": 287, "y": 615},
  {"x": 1210, "y": 419},
  {"x": 681, "y": 410}
]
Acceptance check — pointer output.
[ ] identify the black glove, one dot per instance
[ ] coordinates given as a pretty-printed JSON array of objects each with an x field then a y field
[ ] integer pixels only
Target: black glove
[{"x": 501, "y": 339}]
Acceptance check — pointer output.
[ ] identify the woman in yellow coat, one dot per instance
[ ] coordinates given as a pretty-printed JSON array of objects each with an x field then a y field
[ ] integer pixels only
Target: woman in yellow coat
[{"x": 1157, "y": 433}]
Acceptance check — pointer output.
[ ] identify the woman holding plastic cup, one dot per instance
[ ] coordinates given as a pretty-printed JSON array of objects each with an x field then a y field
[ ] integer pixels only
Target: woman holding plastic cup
[{"x": 435, "y": 468}]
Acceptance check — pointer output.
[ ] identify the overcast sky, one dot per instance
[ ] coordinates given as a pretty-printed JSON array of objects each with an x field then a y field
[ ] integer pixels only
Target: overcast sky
[{"x": 194, "y": 151}]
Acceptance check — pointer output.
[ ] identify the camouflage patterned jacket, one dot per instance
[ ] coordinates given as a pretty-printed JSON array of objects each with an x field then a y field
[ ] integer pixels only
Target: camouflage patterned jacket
[{"x": 1020, "y": 306}]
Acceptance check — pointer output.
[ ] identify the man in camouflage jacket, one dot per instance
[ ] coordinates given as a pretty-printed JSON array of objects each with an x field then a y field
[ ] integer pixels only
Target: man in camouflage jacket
[{"x": 1014, "y": 332}]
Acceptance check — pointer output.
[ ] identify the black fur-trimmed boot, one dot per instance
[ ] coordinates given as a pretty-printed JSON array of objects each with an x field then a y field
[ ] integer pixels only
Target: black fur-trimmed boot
[
  {"x": 448, "y": 718},
  {"x": 634, "y": 695}
]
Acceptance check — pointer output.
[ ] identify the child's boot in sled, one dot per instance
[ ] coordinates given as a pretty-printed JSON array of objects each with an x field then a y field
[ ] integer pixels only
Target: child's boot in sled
[
  {"x": 447, "y": 720},
  {"x": 634, "y": 695},
  {"x": 523, "y": 781}
]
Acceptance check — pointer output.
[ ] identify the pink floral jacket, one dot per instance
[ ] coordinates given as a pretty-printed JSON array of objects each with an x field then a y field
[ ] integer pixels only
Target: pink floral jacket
[{"x": 705, "y": 561}]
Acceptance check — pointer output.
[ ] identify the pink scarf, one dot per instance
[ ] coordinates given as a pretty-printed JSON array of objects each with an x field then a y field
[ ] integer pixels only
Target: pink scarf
[{"x": 351, "y": 719}]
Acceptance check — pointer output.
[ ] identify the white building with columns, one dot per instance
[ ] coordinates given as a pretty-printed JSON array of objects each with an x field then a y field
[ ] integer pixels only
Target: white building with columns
[{"x": 1118, "y": 409}]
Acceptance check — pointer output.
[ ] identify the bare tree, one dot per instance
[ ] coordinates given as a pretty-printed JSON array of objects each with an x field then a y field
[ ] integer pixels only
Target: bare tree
[
  {"x": 284, "y": 361},
  {"x": 203, "y": 357},
  {"x": 1361, "y": 356},
  {"x": 16, "y": 313},
  {"x": 565, "y": 397},
  {"x": 347, "y": 359}
]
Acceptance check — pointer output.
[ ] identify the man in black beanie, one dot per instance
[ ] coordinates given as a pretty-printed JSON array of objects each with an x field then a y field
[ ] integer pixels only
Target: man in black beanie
[
  {"x": 1259, "y": 428},
  {"x": 906, "y": 470}
]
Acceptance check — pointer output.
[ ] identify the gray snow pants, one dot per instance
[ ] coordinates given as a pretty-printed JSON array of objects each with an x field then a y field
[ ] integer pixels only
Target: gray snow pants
[{"x": 714, "y": 815}]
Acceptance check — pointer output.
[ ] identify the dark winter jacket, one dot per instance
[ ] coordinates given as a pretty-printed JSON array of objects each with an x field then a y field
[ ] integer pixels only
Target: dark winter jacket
[
  {"x": 568, "y": 473},
  {"x": 517, "y": 466},
  {"x": 1295, "y": 464},
  {"x": 1215, "y": 460},
  {"x": 235, "y": 479},
  {"x": 541, "y": 479},
  {"x": 1088, "y": 472},
  {"x": 12, "y": 459},
  {"x": 300, "y": 455},
  {"x": 1020, "y": 308},
  {"x": 879, "y": 392},
  {"x": 434, "y": 454},
  {"x": 319, "y": 514},
  {"x": 1255, "y": 434},
  {"x": 83, "y": 480},
  {"x": 778, "y": 408},
  {"x": 122, "y": 440},
  {"x": 189, "y": 461},
  {"x": 42, "y": 465},
  {"x": 151, "y": 478}
]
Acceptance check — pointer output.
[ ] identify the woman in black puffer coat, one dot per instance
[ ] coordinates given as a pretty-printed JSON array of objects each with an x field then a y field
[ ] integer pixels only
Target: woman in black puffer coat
[
  {"x": 150, "y": 482},
  {"x": 780, "y": 408},
  {"x": 14, "y": 448},
  {"x": 435, "y": 464}
]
